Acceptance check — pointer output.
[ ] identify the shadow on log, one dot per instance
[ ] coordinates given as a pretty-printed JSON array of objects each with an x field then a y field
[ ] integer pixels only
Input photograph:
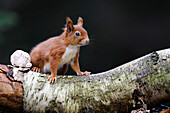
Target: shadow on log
[{"x": 145, "y": 80}]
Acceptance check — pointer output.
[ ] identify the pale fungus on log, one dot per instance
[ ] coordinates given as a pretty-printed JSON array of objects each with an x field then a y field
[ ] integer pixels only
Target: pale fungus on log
[{"x": 145, "y": 80}]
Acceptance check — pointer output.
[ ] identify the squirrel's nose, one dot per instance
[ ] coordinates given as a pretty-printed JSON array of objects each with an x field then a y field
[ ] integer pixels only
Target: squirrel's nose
[{"x": 87, "y": 41}]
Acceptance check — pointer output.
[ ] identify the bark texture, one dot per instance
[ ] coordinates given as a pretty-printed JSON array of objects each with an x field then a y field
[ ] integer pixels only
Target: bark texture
[
  {"x": 146, "y": 80},
  {"x": 11, "y": 95}
]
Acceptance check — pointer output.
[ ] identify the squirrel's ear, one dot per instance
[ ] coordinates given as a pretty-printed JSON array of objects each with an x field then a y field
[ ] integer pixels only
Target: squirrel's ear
[
  {"x": 80, "y": 22},
  {"x": 69, "y": 24}
]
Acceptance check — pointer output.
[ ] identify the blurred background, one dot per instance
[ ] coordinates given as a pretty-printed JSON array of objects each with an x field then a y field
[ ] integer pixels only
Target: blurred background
[{"x": 120, "y": 31}]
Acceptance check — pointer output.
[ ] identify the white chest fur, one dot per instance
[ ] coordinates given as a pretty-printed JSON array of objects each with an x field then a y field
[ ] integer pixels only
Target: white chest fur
[{"x": 69, "y": 54}]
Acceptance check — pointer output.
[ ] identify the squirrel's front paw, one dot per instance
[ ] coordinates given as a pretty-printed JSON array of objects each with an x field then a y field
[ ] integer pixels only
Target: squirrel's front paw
[
  {"x": 36, "y": 69},
  {"x": 52, "y": 78},
  {"x": 84, "y": 73}
]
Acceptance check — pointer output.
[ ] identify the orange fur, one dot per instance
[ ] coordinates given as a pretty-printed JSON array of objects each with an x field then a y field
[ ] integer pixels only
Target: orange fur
[{"x": 56, "y": 50}]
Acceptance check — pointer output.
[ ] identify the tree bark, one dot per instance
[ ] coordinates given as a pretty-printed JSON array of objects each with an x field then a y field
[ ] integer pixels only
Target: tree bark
[
  {"x": 11, "y": 95},
  {"x": 145, "y": 80}
]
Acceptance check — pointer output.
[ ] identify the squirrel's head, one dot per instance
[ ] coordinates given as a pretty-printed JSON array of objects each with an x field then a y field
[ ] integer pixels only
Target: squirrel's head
[{"x": 76, "y": 34}]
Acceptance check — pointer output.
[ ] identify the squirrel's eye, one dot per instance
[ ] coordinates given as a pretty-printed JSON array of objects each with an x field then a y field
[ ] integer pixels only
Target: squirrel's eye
[{"x": 77, "y": 33}]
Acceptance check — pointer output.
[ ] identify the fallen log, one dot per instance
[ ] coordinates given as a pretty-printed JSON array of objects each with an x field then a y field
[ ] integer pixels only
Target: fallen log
[
  {"x": 145, "y": 80},
  {"x": 11, "y": 95}
]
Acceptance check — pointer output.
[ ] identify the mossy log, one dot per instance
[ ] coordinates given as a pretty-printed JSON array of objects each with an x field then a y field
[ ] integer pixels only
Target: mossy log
[{"x": 146, "y": 80}]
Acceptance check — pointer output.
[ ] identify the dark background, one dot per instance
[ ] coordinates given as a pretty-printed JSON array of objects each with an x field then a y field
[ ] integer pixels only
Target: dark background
[{"x": 120, "y": 31}]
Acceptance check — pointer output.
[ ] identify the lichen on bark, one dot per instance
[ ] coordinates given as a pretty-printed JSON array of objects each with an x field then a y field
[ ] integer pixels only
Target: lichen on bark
[{"x": 103, "y": 92}]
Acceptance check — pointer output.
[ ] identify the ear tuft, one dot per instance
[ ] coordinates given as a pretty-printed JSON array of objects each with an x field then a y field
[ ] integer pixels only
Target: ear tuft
[
  {"x": 80, "y": 22},
  {"x": 69, "y": 25}
]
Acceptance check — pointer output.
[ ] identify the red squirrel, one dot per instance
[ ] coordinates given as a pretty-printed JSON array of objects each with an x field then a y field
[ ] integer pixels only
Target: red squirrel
[{"x": 54, "y": 54}]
